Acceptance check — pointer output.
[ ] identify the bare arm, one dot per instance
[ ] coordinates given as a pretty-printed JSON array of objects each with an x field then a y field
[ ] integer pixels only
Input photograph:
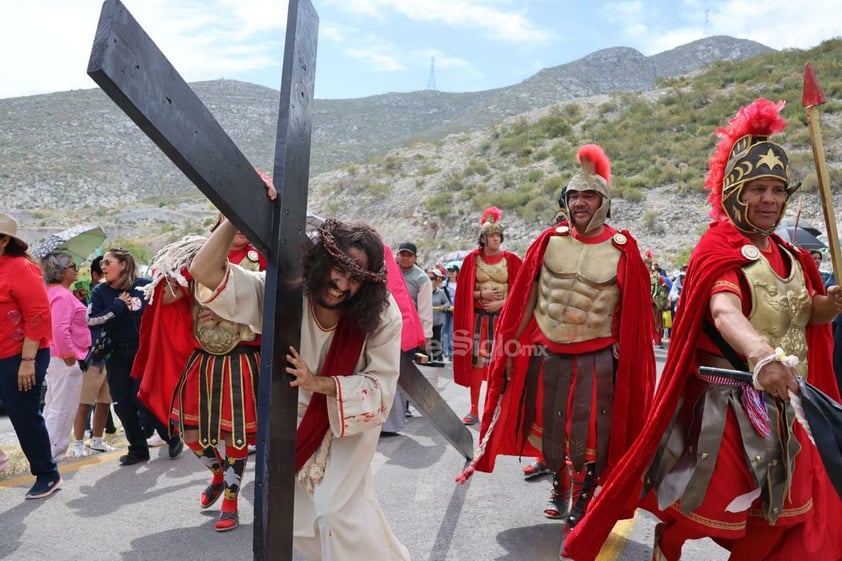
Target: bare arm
[
  {"x": 211, "y": 261},
  {"x": 729, "y": 320}
]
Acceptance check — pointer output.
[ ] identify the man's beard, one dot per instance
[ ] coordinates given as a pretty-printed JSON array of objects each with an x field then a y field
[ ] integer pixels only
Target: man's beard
[
  {"x": 339, "y": 305},
  {"x": 346, "y": 296}
]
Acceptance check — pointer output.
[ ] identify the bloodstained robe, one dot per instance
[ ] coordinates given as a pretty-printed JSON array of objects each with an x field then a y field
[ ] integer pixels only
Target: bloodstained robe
[{"x": 337, "y": 515}]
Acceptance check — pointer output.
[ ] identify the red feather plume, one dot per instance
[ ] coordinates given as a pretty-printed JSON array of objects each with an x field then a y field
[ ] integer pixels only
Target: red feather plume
[
  {"x": 760, "y": 118},
  {"x": 491, "y": 214},
  {"x": 593, "y": 159}
]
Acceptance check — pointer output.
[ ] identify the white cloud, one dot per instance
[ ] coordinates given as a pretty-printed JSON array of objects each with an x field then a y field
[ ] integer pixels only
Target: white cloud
[
  {"x": 491, "y": 17},
  {"x": 51, "y": 39}
]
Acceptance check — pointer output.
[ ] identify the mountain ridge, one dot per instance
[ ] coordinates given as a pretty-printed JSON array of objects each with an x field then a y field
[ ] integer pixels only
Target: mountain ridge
[{"x": 73, "y": 156}]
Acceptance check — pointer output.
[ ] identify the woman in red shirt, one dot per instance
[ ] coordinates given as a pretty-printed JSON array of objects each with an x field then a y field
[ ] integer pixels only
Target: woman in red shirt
[{"x": 25, "y": 331}]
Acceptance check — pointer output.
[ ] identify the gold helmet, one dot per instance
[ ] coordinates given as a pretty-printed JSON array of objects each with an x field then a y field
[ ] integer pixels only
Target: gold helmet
[
  {"x": 489, "y": 223},
  {"x": 594, "y": 175},
  {"x": 745, "y": 153}
]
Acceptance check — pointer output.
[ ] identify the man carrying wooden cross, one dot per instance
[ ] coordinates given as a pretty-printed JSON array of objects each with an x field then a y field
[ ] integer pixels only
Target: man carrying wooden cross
[{"x": 346, "y": 372}]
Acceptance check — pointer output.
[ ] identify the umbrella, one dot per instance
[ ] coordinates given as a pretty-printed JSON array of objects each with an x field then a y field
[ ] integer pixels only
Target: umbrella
[
  {"x": 805, "y": 236},
  {"x": 79, "y": 241},
  {"x": 823, "y": 417}
]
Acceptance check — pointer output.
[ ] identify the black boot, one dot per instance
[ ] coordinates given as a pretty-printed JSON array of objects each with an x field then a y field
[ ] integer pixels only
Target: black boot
[{"x": 583, "y": 493}]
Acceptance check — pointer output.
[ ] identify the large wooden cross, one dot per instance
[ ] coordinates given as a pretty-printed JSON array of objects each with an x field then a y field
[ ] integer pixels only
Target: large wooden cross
[{"x": 130, "y": 69}]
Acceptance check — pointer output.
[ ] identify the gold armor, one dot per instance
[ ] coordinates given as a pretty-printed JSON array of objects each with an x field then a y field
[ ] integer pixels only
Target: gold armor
[
  {"x": 493, "y": 275},
  {"x": 220, "y": 336},
  {"x": 577, "y": 290},
  {"x": 780, "y": 307}
]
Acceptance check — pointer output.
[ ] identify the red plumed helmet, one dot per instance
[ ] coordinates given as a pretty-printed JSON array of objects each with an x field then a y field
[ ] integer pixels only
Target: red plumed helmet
[
  {"x": 489, "y": 222},
  {"x": 745, "y": 153}
]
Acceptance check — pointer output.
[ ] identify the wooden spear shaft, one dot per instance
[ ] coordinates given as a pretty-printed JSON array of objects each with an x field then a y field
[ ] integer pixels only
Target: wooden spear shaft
[{"x": 812, "y": 97}]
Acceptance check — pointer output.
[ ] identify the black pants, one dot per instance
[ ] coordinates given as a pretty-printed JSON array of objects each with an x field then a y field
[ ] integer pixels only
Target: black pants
[
  {"x": 124, "y": 395},
  {"x": 24, "y": 411},
  {"x": 436, "y": 353}
]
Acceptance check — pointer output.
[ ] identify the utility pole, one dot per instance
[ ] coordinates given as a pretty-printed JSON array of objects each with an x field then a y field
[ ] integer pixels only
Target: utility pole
[{"x": 431, "y": 80}]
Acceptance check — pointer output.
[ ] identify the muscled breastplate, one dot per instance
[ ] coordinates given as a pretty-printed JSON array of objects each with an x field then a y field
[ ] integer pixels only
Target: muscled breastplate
[
  {"x": 780, "y": 307},
  {"x": 577, "y": 290},
  {"x": 220, "y": 336},
  {"x": 493, "y": 275}
]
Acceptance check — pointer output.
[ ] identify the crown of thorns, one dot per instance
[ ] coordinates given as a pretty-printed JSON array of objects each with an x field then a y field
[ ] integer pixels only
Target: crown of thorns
[{"x": 345, "y": 261}]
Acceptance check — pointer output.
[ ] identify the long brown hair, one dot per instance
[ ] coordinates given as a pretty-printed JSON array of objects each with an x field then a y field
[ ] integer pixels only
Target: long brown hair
[
  {"x": 129, "y": 274},
  {"x": 365, "y": 308}
]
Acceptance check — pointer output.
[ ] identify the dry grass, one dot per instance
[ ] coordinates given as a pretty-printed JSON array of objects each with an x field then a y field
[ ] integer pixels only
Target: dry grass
[{"x": 18, "y": 464}]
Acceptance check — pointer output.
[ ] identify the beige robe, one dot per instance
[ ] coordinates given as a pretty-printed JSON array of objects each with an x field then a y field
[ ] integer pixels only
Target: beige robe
[{"x": 337, "y": 515}]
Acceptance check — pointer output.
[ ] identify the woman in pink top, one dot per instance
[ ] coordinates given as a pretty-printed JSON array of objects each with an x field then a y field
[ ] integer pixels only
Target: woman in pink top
[
  {"x": 70, "y": 344},
  {"x": 24, "y": 354}
]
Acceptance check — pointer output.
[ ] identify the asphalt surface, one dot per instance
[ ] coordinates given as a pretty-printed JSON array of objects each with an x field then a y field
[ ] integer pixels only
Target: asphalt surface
[{"x": 150, "y": 511}]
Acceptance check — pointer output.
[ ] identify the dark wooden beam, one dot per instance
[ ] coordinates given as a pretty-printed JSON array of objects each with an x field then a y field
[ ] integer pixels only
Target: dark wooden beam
[
  {"x": 133, "y": 72},
  {"x": 278, "y": 403}
]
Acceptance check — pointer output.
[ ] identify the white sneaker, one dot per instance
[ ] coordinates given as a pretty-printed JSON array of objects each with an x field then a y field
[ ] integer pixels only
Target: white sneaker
[
  {"x": 76, "y": 452},
  {"x": 252, "y": 449},
  {"x": 101, "y": 447},
  {"x": 155, "y": 440}
]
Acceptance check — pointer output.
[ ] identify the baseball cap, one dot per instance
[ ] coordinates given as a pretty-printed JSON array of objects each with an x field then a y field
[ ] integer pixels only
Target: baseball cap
[{"x": 408, "y": 246}]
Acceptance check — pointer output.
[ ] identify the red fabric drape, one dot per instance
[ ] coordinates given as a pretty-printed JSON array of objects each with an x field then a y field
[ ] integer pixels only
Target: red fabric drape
[
  {"x": 165, "y": 343},
  {"x": 341, "y": 360}
]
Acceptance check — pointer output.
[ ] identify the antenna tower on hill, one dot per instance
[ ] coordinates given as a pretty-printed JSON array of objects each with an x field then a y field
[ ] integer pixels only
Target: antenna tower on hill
[{"x": 431, "y": 80}]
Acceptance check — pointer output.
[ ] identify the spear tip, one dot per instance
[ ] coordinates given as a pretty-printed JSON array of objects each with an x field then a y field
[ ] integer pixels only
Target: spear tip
[{"x": 812, "y": 93}]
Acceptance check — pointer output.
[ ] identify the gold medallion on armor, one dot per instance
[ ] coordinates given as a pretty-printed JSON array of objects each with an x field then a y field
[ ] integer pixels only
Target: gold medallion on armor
[
  {"x": 563, "y": 230},
  {"x": 253, "y": 256},
  {"x": 620, "y": 239}
]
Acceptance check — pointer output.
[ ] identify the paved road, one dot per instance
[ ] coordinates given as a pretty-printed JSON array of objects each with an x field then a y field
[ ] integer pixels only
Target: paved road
[{"x": 146, "y": 512}]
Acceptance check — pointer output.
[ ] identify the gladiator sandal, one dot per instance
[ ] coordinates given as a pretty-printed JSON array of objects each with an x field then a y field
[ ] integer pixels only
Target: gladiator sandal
[
  {"x": 210, "y": 457},
  {"x": 582, "y": 497},
  {"x": 234, "y": 467},
  {"x": 558, "y": 507}
]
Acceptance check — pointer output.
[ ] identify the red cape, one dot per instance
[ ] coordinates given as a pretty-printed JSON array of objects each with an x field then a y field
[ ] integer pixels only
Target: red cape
[
  {"x": 463, "y": 312},
  {"x": 635, "y": 376},
  {"x": 717, "y": 251},
  {"x": 166, "y": 341}
]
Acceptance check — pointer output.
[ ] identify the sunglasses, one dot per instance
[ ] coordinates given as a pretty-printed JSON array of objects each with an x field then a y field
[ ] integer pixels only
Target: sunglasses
[
  {"x": 106, "y": 262},
  {"x": 72, "y": 266}
]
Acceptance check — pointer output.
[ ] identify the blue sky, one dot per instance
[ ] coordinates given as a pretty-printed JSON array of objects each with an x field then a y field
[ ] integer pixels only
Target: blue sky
[{"x": 369, "y": 47}]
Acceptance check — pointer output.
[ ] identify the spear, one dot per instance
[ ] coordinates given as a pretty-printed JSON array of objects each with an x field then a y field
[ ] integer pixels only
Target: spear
[{"x": 811, "y": 98}]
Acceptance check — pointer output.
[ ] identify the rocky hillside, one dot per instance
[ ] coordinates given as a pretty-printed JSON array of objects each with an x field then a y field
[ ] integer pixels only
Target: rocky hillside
[{"x": 418, "y": 165}]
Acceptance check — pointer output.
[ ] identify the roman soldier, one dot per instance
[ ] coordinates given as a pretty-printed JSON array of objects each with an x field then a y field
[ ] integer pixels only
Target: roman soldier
[
  {"x": 200, "y": 371},
  {"x": 481, "y": 291},
  {"x": 718, "y": 457},
  {"x": 573, "y": 369}
]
